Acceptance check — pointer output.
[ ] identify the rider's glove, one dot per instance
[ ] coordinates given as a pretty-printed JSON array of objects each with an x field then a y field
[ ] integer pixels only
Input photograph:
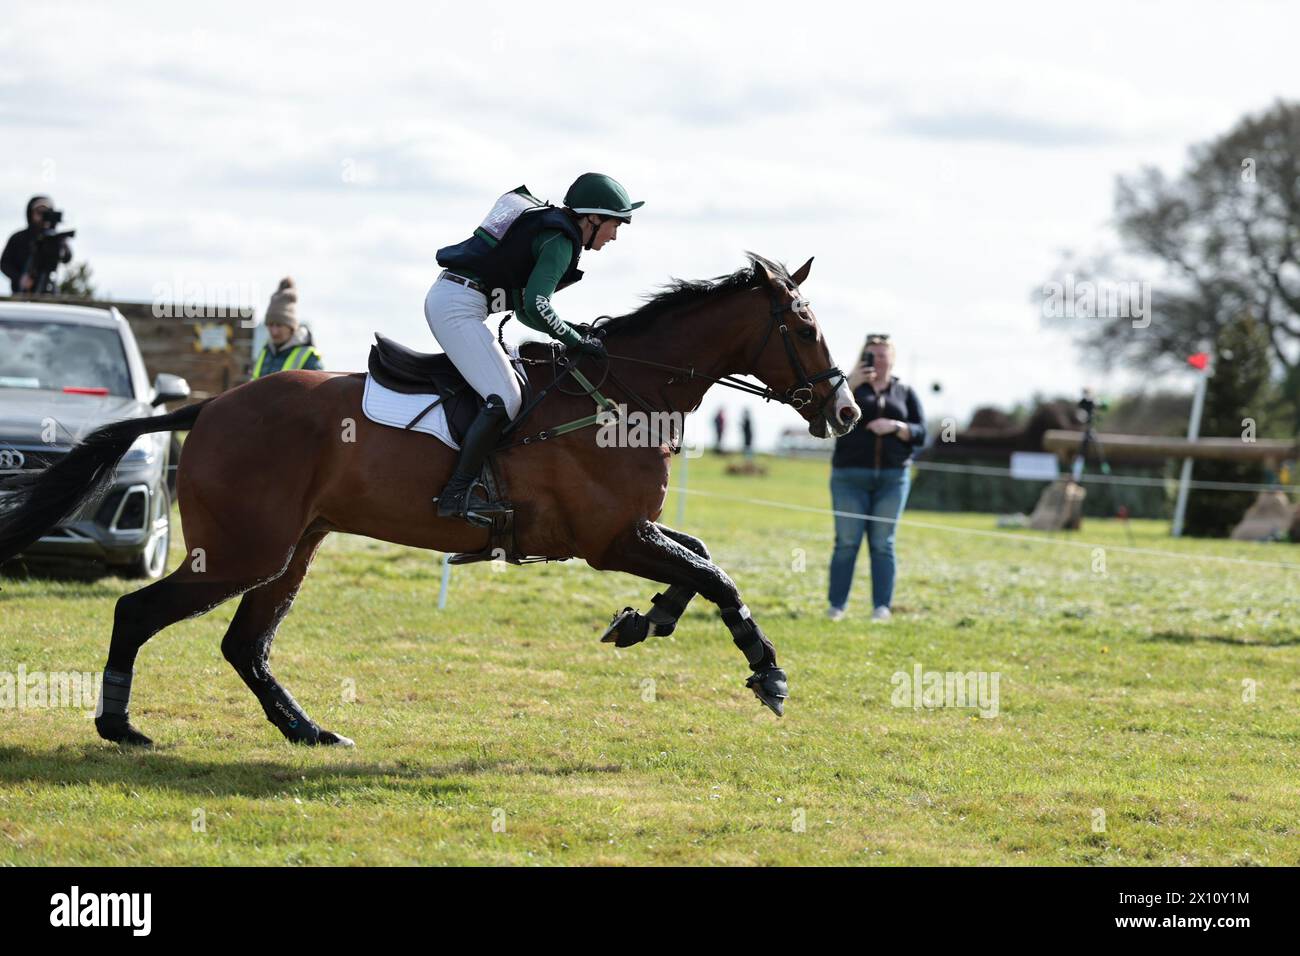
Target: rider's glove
[{"x": 588, "y": 345}]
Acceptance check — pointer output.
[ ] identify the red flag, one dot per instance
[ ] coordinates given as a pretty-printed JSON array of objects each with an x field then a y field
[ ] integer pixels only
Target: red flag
[{"x": 1198, "y": 361}]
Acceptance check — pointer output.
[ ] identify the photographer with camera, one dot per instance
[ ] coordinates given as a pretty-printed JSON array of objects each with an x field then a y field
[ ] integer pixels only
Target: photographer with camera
[
  {"x": 869, "y": 476},
  {"x": 33, "y": 255}
]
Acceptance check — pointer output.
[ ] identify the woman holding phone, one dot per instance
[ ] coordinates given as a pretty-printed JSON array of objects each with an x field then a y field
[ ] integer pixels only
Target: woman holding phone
[{"x": 869, "y": 476}]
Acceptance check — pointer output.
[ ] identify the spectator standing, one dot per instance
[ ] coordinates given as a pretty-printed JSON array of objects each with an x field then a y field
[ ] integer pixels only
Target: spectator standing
[
  {"x": 870, "y": 477},
  {"x": 290, "y": 343}
]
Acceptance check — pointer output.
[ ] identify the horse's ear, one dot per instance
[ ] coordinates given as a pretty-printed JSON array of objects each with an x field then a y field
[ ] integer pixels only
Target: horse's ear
[
  {"x": 801, "y": 274},
  {"x": 762, "y": 271}
]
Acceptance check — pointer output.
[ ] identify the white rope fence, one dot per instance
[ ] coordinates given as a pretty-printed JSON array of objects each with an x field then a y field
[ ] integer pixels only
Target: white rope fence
[
  {"x": 1041, "y": 539},
  {"x": 1087, "y": 478},
  {"x": 998, "y": 535}
]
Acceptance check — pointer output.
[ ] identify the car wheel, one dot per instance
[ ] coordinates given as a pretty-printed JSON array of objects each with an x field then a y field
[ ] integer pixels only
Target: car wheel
[{"x": 151, "y": 562}]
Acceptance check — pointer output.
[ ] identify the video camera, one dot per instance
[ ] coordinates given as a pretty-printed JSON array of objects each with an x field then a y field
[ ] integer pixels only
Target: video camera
[
  {"x": 49, "y": 250},
  {"x": 1088, "y": 407}
]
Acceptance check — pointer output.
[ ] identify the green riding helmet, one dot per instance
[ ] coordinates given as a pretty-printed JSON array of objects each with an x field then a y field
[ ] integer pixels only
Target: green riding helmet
[{"x": 598, "y": 193}]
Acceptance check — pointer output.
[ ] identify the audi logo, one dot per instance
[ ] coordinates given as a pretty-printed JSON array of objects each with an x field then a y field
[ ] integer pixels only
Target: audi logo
[{"x": 11, "y": 459}]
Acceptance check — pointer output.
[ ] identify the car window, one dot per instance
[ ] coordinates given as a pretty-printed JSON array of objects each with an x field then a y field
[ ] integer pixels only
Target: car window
[{"x": 58, "y": 356}]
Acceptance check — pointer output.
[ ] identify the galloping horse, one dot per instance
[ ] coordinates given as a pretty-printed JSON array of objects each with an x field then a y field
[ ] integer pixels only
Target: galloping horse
[{"x": 267, "y": 473}]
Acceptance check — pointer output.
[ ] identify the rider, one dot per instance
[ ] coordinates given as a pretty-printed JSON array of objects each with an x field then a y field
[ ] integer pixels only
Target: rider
[{"x": 522, "y": 253}]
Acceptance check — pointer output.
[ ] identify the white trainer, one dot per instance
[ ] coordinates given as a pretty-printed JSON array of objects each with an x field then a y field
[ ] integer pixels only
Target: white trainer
[
  {"x": 881, "y": 614},
  {"x": 835, "y": 613}
]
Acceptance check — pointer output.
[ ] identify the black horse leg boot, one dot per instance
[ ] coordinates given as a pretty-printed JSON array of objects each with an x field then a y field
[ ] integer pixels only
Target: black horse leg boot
[{"x": 480, "y": 438}]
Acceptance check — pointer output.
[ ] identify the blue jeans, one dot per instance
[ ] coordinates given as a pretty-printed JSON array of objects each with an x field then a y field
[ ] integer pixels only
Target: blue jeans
[{"x": 880, "y": 494}]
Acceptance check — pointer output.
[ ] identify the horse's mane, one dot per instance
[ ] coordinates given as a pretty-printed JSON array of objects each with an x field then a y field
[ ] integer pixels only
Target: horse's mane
[{"x": 680, "y": 294}]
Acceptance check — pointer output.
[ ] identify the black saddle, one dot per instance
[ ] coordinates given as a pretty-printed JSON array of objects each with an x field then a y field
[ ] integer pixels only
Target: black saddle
[{"x": 416, "y": 373}]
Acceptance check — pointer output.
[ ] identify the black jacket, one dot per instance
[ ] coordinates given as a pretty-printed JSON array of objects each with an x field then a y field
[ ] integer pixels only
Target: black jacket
[
  {"x": 861, "y": 448},
  {"x": 17, "y": 254}
]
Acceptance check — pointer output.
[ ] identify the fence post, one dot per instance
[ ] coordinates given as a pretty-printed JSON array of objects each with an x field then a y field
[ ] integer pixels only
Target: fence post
[
  {"x": 1193, "y": 432},
  {"x": 681, "y": 489},
  {"x": 446, "y": 581}
]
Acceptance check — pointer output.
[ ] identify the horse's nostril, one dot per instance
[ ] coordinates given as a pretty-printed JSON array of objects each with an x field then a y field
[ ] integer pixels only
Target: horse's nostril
[{"x": 848, "y": 415}]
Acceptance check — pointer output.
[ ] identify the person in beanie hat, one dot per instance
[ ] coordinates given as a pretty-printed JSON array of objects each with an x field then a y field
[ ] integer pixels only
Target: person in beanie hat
[
  {"x": 521, "y": 254},
  {"x": 290, "y": 346}
]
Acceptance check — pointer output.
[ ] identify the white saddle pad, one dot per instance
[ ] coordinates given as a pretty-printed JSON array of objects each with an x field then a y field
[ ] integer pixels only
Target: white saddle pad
[{"x": 386, "y": 407}]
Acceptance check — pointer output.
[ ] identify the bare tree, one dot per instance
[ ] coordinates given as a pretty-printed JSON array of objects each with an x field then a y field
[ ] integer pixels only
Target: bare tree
[{"x": 1224, "y": 237}]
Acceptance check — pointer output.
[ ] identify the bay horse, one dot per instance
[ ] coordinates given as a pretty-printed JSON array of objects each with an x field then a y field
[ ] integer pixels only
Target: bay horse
[{"x": 270, "y": 468}]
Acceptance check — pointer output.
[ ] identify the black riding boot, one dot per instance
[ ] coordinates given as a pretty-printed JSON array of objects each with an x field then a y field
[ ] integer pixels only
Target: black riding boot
[{"x": 480, "y": 438}]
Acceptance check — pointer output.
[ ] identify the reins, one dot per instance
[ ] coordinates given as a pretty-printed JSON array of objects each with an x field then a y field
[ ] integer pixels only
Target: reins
[{"x": 798, "y": 396}]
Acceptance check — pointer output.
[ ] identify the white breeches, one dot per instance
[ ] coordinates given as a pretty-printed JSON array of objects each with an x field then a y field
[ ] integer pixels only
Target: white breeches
[{"x": 457, "y": 316}]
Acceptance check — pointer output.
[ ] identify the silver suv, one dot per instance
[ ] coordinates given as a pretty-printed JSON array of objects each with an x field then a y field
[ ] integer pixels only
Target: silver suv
[{"x": 66, "y": 370}]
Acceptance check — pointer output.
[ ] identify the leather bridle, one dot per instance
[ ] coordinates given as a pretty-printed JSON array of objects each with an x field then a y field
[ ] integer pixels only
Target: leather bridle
[{"x": 798, "y": 396}]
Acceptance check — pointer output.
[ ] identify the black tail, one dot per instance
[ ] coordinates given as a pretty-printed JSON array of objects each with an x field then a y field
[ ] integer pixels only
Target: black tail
[{"x": 34, "y": 503}]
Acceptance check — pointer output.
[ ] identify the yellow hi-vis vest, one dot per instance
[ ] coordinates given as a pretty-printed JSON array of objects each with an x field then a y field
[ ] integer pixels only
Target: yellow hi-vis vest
[{"x": 298, "y": 356}]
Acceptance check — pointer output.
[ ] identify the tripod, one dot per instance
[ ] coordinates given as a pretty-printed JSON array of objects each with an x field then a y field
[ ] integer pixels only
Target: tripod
[
  {"x": 43, "y": 283},
  {"x": 49, "y": 250},
  {"x": 1090, "y": 440}
]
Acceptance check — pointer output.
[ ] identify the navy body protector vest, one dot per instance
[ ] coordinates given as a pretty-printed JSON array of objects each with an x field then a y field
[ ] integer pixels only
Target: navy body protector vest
[{"x": 506, "y": 263}]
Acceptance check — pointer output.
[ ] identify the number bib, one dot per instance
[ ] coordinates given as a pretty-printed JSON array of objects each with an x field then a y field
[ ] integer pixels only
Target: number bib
[{"x": 507, "y": 209}]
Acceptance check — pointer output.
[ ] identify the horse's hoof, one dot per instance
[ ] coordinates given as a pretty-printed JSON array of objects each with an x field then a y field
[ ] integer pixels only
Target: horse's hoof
[
  {"x": 330, "y": 739},
  {"x": 628, "y": 628},
  {"x": 118, "y": 729},
  {"x": 771, "y": 687}
]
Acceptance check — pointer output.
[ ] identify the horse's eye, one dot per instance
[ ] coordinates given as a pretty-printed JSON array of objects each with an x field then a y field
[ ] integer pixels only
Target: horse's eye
[{"x": 808, "y": 335}]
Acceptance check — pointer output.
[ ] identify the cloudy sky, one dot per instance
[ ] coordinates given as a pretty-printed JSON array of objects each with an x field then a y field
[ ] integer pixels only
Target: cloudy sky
[{"x": 935, "y": 158}]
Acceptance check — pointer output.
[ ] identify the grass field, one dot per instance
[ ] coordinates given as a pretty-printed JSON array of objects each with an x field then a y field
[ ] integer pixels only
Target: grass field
[{"x": 1161, "y": 694}]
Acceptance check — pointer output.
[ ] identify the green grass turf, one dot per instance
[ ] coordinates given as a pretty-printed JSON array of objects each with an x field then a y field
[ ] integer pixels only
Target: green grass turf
[{"x": 501, "y": 731}]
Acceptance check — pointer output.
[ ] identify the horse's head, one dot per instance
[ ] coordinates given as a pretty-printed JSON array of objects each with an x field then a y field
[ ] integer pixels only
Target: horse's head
[{"x": 793, "y": 359}]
